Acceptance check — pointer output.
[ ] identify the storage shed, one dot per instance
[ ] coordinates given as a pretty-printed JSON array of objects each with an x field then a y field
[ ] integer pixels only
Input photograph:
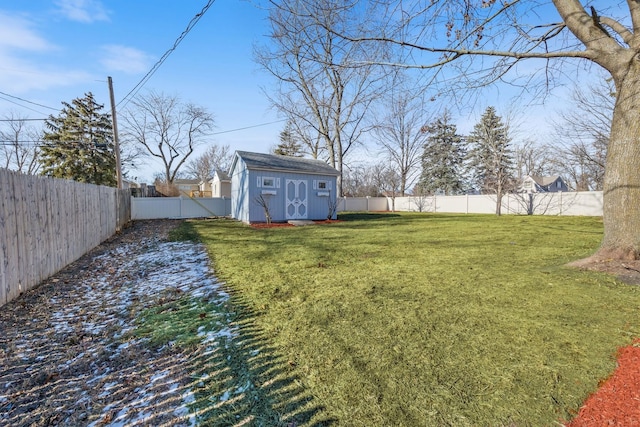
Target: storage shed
[{"x": 293, "y": 188}]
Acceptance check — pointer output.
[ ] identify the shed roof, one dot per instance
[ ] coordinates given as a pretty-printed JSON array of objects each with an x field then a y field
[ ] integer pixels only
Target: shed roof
[{"x": 275, "y": 162}]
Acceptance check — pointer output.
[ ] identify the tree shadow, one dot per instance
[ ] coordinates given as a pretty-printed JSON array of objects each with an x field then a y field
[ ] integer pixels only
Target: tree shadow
[
  {"x": 366, "y": 216},
  {"x": 245, "y": 380},
  {"x": 66, "y": 357}
]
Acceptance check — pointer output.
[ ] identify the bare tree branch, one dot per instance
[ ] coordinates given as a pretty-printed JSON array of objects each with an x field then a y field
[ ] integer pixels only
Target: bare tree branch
[{"x": 167, "y": 129}]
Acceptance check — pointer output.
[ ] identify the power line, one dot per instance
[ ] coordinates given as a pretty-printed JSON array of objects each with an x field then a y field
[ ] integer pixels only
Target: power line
[
  {"x": 157, "y": 65},
  {"x": 23, "y": 120},
  {"x": 249, "y": 127},
  {"x": 214, "y": 133},
  {"x": 20, "y": 105},
  {"x": 27, "y": 101}
]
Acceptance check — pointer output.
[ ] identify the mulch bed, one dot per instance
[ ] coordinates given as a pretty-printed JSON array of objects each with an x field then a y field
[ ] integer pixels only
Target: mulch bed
[
  {"x": 617, "y": 401},
  {"x": 286, "y": 224}
]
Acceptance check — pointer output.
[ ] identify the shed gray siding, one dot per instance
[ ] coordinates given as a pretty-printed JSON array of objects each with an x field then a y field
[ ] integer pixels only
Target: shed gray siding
[
  {"x": 247, "y": 185},
  {"x": 240, "y": 192},
  {"x": 316, "y": 208}
]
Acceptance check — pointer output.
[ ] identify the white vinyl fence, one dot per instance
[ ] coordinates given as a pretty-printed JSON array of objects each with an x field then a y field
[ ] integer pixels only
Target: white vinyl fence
[
  {"x": 47, "y": 223},
  {"x": 587, "y": 203},
  {"x": 179, "y": 207}
]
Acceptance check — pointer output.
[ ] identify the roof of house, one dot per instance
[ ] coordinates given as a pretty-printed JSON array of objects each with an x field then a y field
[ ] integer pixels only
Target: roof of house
[
  {"x": 543, "y": 181},
  {"x": 222, "y": 176},
  {"x": 274, "y": 162},
  {"x": 186, "y": 181}
]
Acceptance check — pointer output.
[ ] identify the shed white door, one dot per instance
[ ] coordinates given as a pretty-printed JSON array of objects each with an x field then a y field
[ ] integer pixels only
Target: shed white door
[{"x": 296, "y": 200}]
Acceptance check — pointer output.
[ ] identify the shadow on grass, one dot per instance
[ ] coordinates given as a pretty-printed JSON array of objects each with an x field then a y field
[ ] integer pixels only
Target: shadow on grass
[
  {"x": 366, "y": 216},
  {"x": 241, "y": 379},
  {"x": 74, "y": 355}
]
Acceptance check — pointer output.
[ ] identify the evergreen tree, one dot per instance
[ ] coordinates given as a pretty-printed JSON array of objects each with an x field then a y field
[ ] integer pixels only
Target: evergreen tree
[
  {"x": 79, "y": 144},
  {"x": 289, "y": 145},
  {"x": 491, "y": 159},
  {"x": 442, "y": 158}
]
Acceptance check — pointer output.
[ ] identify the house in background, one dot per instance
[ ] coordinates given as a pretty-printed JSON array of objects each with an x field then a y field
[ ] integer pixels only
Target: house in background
[
  {"x": 204, "y": 189},
  {"x": 293, "y": 188},
  {"x": 220, "y": 185},
  {"x": 543, "y": 184},
  {"x": 186, "y": 186}
]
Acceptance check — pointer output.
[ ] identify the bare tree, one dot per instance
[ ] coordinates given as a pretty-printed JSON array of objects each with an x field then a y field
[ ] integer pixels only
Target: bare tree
[
  {"x": 314, "y": 90},
  {"x": 311, "y": 140},
  {"x": 215, "y": 158},
  {"x": 422, "y": 200},
  {"x": 19, "y": 144},
  {"x": 167, "y": 129},
  {"x": 486, "y": 39},
  {"x": 358, "y": 181},
  {"x": 332, "y": 206},
  {"x": 398, "y": 131},
  {"x": 388, "y": 182},
  {"x": 262, "y": 200},
  {"x": 583, "y": 133},
  {"x": 533, "y": 159}
]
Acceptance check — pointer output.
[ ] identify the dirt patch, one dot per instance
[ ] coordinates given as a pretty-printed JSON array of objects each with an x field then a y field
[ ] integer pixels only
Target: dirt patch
[
  {"x": 66, "y": 353},
  {"x": 627, "y": 271}
]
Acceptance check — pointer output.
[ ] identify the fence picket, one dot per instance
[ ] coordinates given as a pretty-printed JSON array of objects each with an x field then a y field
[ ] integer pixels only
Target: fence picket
[
  {"x": 47, "y": 223},
  {"x": 4, "y": 230}
]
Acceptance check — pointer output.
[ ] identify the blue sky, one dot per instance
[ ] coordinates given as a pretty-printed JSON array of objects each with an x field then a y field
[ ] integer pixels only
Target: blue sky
[{"x": 57, "y": 50}]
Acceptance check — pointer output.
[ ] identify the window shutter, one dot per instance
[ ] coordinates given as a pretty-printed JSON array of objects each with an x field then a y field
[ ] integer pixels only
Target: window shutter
[
  {"x": 259, "y": 182},
  {"x": 315, "y": 184},
  {"x": 277, "y": 182}
]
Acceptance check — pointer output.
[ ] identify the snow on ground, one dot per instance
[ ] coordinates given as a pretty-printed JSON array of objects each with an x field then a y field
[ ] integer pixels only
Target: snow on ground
[{"x": 66, "y": 355}]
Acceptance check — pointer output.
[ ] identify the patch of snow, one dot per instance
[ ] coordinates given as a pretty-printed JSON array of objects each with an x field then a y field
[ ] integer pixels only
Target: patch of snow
[
  {"x": 108, "y": 389},
  {"x": 243, "y": 388},
  {"x": 214, "y": 336},
  {"x": 225, "y": 396},
  {"x": 159, "y": 376},
  {"x": 142, "y": 275}
]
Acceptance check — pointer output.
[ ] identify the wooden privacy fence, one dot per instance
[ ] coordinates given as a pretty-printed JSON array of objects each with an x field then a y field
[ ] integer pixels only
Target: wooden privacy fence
[{"x": 47, "y": 223}]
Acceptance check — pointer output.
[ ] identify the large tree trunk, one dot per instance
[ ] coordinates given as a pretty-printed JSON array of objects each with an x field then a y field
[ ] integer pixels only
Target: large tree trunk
[{"x": 622, "y": 176}]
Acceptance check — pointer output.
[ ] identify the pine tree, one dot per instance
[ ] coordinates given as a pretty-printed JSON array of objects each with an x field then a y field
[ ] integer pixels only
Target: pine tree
[
  {"x": 442, "y": 158},
  {"x": 79, "y": 144},
  {"x": 289, "y": 145},
  {"x": 491, "y": 159}
]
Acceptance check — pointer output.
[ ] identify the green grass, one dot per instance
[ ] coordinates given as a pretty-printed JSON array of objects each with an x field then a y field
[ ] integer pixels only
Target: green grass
[{"x": 425, "y": 319}]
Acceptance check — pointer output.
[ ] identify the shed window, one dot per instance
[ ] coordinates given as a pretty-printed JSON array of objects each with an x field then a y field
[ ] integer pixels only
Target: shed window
[
  {"x": 268, "y": 182},
  {"x": 322, "y": 185}
]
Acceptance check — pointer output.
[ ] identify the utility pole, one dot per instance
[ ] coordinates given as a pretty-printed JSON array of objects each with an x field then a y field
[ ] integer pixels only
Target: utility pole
[{"x": 116, "y": 142}]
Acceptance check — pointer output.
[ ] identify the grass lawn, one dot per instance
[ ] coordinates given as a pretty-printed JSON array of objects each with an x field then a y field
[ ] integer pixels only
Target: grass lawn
[{"x": 430, "y": 319}]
